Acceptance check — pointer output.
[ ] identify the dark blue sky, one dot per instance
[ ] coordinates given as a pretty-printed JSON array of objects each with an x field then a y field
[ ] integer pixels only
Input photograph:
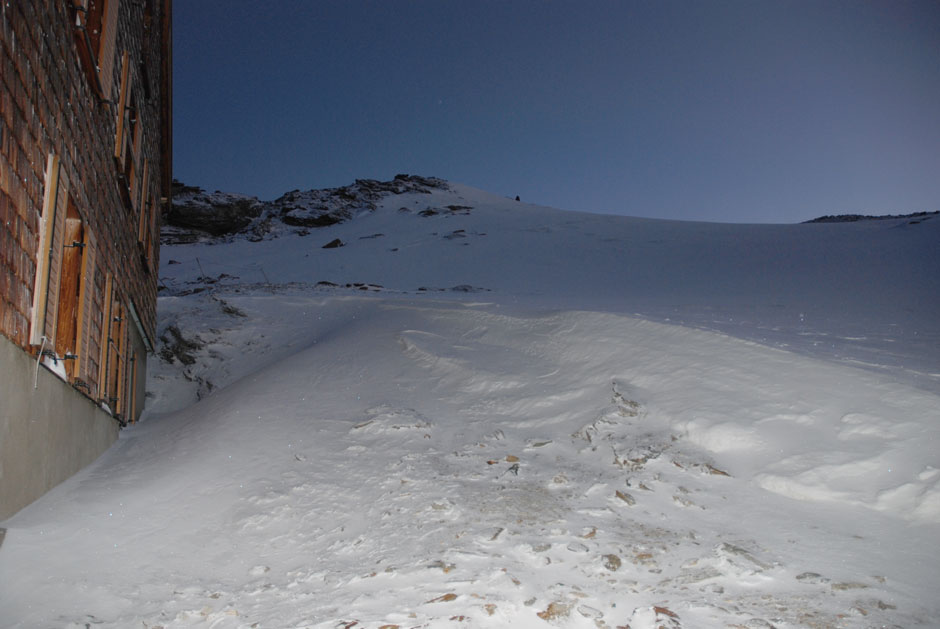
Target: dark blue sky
[{"x": 743, "y": 111}]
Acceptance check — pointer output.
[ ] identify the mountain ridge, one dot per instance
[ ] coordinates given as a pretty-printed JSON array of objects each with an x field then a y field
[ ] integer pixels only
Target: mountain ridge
[{"x": 196, "y": 213}]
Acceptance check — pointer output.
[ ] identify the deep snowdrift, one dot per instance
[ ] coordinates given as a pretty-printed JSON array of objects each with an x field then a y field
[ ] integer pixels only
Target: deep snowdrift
[{"x": 454, "y": 419}]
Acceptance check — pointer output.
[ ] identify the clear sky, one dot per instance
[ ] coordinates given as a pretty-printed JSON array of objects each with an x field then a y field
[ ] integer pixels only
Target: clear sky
[{"x": 742, "y": 111}]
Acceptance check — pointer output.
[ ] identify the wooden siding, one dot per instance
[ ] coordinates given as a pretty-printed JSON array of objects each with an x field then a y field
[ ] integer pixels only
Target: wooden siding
[{"x": 61, "y": 125}]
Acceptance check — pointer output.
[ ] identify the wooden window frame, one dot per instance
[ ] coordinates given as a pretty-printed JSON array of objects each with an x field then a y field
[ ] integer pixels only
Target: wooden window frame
[
  {"x": 83, "y": 375},
  {"x": 69, "y": 305},
  {"x": 95, "y": 26},
  {"x": 63, "y": 291},
  {"x": 112, "y": 383}
]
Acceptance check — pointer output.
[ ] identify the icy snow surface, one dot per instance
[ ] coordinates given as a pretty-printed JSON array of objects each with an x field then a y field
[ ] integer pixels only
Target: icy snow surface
[{"x": 495, "y": 414}]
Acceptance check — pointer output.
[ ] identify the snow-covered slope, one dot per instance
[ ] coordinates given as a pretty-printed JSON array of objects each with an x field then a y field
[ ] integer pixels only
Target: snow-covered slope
[
  {"x": 453, "y": 417},
  {"x": 866, "y": 292}
]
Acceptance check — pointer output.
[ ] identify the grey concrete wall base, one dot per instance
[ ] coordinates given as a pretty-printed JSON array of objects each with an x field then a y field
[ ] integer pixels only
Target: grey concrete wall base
[{"x": 47, "y": 433}]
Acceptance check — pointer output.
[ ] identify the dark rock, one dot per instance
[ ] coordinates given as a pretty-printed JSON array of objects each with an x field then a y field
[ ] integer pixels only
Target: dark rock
[
  {"x": 305, "y": 219},
  {"x": 851, "y": 218},
  {"x": 178, "y": 347},
  {"x": 196, "y": 214},
  {"x": 217, "y": 214},
  {"x": 333, "y": 244},
  {"x": 467, "y": 288}
]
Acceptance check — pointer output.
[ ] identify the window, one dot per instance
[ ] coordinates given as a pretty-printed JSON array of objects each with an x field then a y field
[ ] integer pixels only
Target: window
[
  {"x": 63, "y": 287},
  {"x": 84, "y": 373},
  {"x": 146, "y": 44},
  {"x": 70, "y": 291},
  {"x": 105, "y": 343},
  {"x": 152, "y": 233},
  {"x": 147, "y": 220},
  {"x": 128, "y": 138},
  {"x": 119, "y": 144},
  {"x": 131, "y": 387},
  {"x": 95, "y": 35},
  {"x": 117, "y": 358},
  {"x": 113, "y": 363},
  {"x": 143, "y": 220}
]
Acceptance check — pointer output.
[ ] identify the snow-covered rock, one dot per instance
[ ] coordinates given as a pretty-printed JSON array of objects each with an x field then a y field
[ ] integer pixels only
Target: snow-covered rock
[
  {"x": 215, "y": 214},
  {"x": 196, "y": 214}
]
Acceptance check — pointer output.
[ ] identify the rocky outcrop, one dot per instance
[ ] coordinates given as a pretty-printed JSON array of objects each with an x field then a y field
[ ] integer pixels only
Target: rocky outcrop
[
  {"x": 320, "y": 208},
  {"x": 197, "y": 214},
  {"x": 217, "y": 213}
]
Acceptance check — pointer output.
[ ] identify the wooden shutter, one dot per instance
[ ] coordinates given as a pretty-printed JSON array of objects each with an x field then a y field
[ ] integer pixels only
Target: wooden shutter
[
  {"x": 119, "y": 143},
  {"x": 85, "y": 306},
  {"x": 37, "y": 321},
  {"x": 105, "y": 345},
  {"x": 107, "y": 49},
  {"x": 119, "y": 358},
  {"x": 151, "y": 231},
  {"x": 68, "y": 309},
  {"x": 55, "y": 256},
  {"x": 144, "y": 220},
  {"x": 131, "y": 406},
  {"x": 113, "y": 367}
]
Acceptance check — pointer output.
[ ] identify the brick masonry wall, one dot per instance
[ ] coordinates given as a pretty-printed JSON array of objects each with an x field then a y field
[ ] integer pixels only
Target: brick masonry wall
[{"x": 48, "y": 105}]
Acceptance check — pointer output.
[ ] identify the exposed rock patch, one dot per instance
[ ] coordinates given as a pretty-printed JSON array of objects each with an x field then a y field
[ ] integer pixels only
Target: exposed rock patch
[
  {"x": 216, "y": 214},
  {"x": 196, "y": 214}
]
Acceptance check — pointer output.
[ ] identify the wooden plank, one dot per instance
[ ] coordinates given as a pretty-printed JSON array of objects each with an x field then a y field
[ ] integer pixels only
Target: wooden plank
[{"x": 37, "y": 321}]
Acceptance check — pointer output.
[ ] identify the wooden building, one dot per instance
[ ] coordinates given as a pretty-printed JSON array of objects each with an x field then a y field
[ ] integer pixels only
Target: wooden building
[{"x": 85, "y": 166}]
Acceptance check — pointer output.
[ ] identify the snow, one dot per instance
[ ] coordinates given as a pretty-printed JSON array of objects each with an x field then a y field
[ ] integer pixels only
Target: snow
[{"x": 519, "y": 417}]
